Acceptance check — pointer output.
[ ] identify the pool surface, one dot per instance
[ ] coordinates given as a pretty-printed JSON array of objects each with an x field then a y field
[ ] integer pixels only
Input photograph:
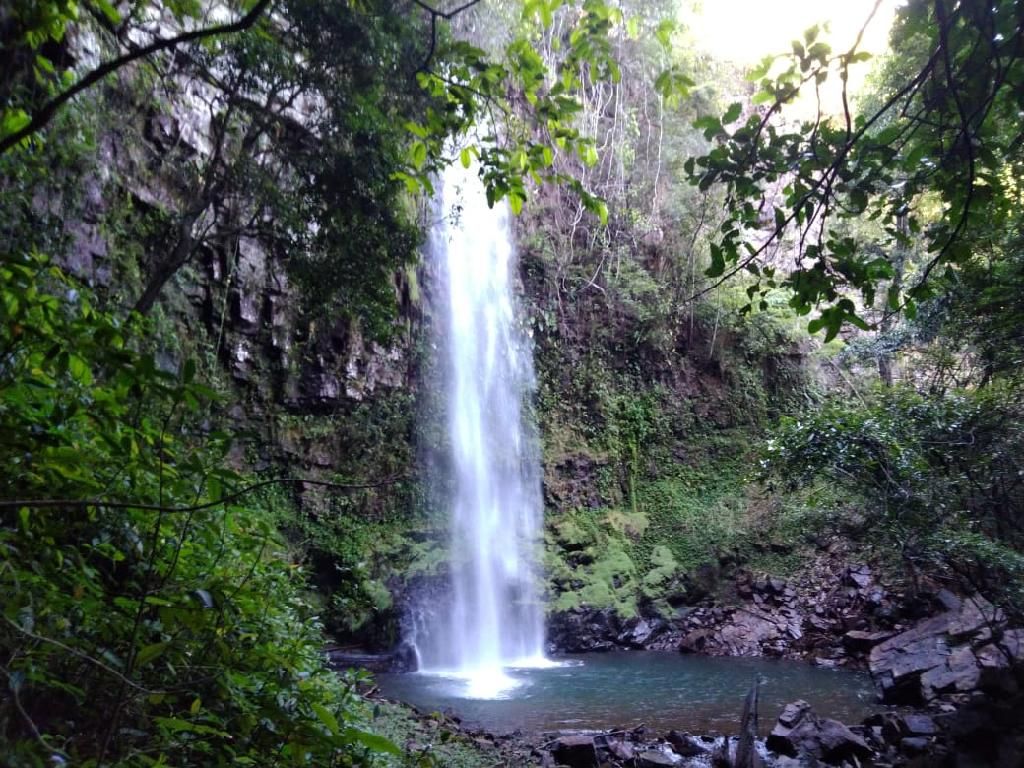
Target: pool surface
[{"x": 661, "y": 690}]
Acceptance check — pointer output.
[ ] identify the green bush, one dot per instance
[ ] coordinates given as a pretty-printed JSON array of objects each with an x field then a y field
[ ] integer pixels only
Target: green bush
[
  {"x": 150, "y": 615},
  {"x": 940, "y": 474}
]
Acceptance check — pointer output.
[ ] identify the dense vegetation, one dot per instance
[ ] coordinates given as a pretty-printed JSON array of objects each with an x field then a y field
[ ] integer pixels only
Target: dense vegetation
[{"x": 182, "y": 512}]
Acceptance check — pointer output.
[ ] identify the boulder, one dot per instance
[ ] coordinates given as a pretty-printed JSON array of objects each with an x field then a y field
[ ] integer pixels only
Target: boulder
[
  {"x": 583, "y": 630},
  {"x": 639, "y": 633},
  {"x": 957, "y": 673},
  {"x": 896, "y": 728},
  {"x": 793, "y": 713},
  {"x": 621, "y": 750},
  {"x": 914, "y": 745},
  {"x": 575, "y": 751},
  {"x": 919, "y": 725},
  {"x": 695, "y": 641},
  {"x": 746, "y": 632},
  {"x": 828, "y": 740},
  {"x": 798, "y": 732},
  {"x": 859, "y": 641},
  {"x": 401, "y": 659},
  {"x": 685, "y": 745},
  {"x": 859, "y": 576},
  {"x": 936, "y": 655}
]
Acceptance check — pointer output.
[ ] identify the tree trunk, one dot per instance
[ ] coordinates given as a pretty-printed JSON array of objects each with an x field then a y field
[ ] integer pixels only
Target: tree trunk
[
  {"x": 166, "y": 269},
  {"x": 886, "y": 362}
]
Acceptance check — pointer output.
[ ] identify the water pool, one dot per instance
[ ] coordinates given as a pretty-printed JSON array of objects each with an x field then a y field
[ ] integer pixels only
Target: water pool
[{"x": 662, "y": 690}]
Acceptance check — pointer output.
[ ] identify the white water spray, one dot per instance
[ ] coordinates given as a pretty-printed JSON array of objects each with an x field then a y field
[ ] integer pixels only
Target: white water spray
[{"x": 495, "y": 619}]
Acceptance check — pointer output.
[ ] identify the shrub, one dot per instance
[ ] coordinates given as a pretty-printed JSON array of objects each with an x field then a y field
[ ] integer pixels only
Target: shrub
[{"x": 150, "y": 616}]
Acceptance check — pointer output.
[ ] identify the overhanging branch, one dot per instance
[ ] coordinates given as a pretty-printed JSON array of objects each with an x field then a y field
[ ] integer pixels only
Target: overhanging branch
[
  {"x": 45, "y": 113},
  {"x": 435, "y": 14}
]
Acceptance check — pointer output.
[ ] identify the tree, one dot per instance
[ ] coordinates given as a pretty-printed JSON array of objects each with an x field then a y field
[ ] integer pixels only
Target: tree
[
  {"x": 320, "y": 115},
  {"x": 945, "y": 134}
]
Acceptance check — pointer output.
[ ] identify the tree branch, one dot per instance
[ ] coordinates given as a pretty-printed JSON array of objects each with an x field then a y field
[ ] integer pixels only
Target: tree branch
[
  {"x": 83, "y": 503},
  {"x": 434, "y": 16},
  {"x": 49, "y": 109}
]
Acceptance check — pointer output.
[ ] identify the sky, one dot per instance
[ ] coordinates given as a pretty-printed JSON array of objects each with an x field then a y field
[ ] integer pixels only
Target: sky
[{"x": 745, "y": 31}]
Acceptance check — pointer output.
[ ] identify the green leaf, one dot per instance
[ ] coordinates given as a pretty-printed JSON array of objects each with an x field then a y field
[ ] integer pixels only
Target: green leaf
[
  {"x": 416, "y": 130},
  {"x": 177, "y": 725},
  {"x": 709, "y": 124},
  {"x": 79, "y": 370},
  {"x": 664, "y": 33},
  {"x": 910, "y": 309},
  {"x": 326, "y": 717},
  {"x": 372, "y": 741},
  {"x": 732, "y": 114},
  {"x": 13, "y": 121},
  {"x": 418, "y": 154},
  {"x": 761, "y": 69},
  {"x": 149, "y": 652},
  {"x": 717, "y": 262},
  {"x": 466, "y": 157},
  {"x": 109, "y": 11}
]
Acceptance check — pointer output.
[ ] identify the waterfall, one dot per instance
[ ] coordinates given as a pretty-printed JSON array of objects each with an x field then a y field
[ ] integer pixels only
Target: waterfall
[{"x": 494, "y": 620}]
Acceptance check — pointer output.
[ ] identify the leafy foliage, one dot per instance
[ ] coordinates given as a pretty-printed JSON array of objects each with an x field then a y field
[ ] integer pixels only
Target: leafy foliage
[
  {"x": 517, "y": 141},
  {"x": 150, "y": 617},
  {"x": 944, "y": 134},
  {"x": 941, "y": 474}
]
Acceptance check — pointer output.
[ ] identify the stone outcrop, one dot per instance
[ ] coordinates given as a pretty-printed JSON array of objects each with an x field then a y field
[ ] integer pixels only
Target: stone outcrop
[
  {"x": 962, "y": 649},
  {"x": 832, "y": 613}
]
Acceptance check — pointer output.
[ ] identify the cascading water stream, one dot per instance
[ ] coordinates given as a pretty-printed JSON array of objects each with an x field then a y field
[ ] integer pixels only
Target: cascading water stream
[{"x": 495, "y": 619}]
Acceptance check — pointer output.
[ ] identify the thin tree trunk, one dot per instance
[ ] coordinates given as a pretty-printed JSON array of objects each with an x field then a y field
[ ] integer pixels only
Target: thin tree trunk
[
  {"x": 166, "y": 269},
  {"x": 886, "y": 363}
]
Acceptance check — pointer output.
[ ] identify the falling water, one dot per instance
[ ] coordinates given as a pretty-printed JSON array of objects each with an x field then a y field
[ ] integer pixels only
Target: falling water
[{"x": 495, "y": 620}]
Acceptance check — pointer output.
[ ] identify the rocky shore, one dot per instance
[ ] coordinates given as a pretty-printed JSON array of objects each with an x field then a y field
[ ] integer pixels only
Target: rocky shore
[
  {"x": 978, "y": 734},
  {"x": 947, "y": 667},
  {"x": 830, "y": 614}
]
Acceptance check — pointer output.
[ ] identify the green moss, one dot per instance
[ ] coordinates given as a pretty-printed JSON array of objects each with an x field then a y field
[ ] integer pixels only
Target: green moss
[
  {"x": 630, "y": 523},
  {"x": 687, "y": 516},
  {"x": 663, "y": 571},
  {"x": 603, "y": 576}
]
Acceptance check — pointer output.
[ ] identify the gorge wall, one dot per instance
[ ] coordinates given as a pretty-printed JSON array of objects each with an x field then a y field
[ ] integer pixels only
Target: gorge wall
[{"x": 647, "y": 403}]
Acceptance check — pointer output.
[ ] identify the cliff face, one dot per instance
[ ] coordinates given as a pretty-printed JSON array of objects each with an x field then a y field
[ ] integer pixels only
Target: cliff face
[
  {"x": 645, "y": 407},
  {"x": 232, "y": 304}
]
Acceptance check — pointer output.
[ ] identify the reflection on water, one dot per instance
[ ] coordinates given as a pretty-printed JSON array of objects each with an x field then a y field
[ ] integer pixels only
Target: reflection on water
[{"x": 621, "y": 690}]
